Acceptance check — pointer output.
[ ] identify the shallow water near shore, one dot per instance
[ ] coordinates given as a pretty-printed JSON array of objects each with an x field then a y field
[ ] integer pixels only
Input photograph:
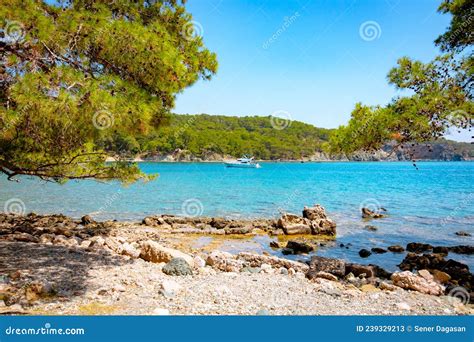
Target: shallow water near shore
[{"x": 425, "y": 205}]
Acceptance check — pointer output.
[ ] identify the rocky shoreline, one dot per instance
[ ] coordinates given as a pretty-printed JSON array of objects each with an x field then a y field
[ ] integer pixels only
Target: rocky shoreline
[{"x": 56, "y": 265}]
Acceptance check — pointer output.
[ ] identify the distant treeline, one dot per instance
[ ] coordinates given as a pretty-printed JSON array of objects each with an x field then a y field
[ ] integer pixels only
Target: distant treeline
[
  {"x": 263, "y": 137},
  {"x": 226, "y": 135}
]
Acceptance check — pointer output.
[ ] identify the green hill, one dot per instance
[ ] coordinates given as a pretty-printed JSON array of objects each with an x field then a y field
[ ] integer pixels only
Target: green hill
[
  {"x": 213, "y": 136},
  {"x": 204, "y": 134}
]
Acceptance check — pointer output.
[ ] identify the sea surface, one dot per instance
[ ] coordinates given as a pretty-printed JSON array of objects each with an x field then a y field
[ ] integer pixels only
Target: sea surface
[{"x": 428, "y": 204}]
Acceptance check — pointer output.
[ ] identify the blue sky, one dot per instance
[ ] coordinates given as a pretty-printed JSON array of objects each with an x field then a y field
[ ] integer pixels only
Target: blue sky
[{"x": 317, "y": 66}]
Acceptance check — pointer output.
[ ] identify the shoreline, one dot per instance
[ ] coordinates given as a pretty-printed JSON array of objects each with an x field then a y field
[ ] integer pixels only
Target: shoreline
[
  {"x": 57, "y": 265},
  {"x": 293, "y": 161}
]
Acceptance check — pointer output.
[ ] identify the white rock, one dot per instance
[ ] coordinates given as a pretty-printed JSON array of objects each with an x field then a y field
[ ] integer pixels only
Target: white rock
[
  {"x": 300, "y": 275},
  {"x": 266, "y": 268},
  {"x": 408, "y": 280},
  {"x": 403, "y": 306},
  {"x": 129, "y": 250},
  {"x": 161, "y": 312},
  {"x": 119, "y": 288},
  {"x": 170, "y": 287},
  {"x": 85, "y": 244},
  {"x": 199, "y": 262}
]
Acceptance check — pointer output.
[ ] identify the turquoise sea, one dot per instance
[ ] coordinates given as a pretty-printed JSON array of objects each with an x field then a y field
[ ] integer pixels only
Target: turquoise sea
[{"x": 425, "y": 205}]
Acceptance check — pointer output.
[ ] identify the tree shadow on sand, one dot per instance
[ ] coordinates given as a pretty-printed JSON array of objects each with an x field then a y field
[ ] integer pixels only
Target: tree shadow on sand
[{"x": 64, "y": 269}]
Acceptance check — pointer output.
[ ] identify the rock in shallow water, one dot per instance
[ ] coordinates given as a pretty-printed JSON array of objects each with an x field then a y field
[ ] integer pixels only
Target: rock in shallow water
[
  {"x": 364, "y": 253},
  {"x": 417, "y": 247},
  {"x": 396, "y": 249},
  {"x": 299, "y": 247},
  {"x": 274, "y": 244},
  {"x": 177, "y": 267},
  {"x": 369, "y": 214},
  {"x": 378, "y": 250}
]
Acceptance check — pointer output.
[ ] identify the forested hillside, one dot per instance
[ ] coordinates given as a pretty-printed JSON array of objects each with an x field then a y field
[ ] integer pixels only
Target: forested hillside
[
  {"x": 203, "y": 134},
  {"x": 209, "y": 137}
]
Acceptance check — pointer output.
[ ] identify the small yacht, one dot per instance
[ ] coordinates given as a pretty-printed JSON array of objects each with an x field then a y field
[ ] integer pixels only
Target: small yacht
[{"x": 244, "y": 162}]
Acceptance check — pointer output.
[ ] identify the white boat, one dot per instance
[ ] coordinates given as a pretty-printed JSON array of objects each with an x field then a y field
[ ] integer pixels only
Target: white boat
[{"x": 244, "y": 162}]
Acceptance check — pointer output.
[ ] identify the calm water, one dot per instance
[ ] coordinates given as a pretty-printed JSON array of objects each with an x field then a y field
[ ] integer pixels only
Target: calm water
[{"x": 425, "y": 205}]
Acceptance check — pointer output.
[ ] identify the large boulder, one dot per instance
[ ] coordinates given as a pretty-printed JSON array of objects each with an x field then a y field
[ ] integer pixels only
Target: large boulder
[
  {"x": 320, "y": 223},
  {"x": 293, "y": 224},
  {"x": 177, "y": 267},
  {"x": 321, "y": 264},
  {"x": 423, "y": 283},
  {"x": 458, "y": 271},
  {"x": 224, "y": 261},
  {"x": 314, "y": 213},
  {"x": 154, "y": 252}
]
